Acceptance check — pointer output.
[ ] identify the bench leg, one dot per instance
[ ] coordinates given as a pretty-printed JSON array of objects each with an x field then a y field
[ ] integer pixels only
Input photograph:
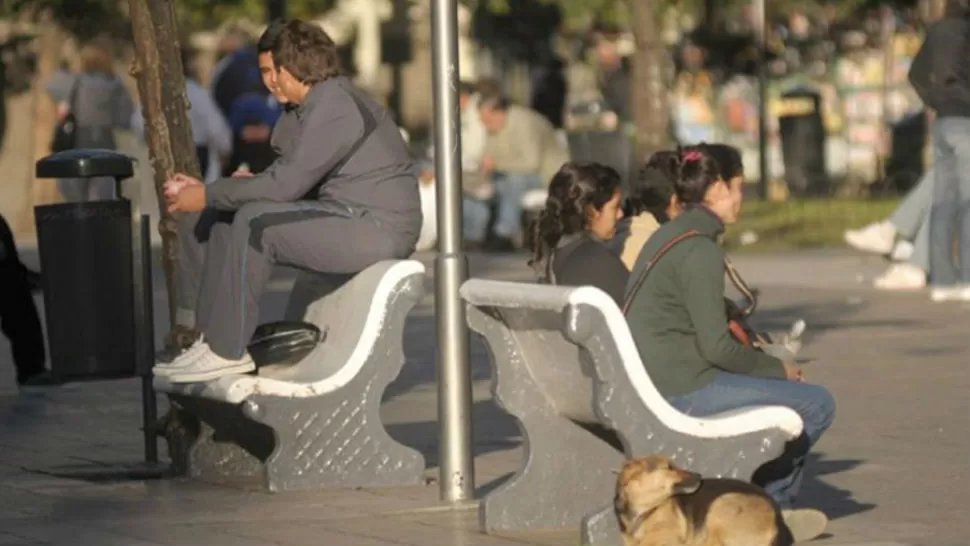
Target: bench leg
[
  {"x": 566, "y": 466},
  {"x": 334, "y": 442}
]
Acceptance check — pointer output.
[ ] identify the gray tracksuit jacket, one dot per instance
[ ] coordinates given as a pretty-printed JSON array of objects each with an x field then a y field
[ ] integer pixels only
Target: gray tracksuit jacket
[{"x": 339, "y": 145}]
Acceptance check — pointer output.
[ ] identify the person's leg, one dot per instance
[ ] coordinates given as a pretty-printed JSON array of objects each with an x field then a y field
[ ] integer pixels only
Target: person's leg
[
  {"x": 912, "y": 212},
  {"x": 943, "y": 272},
  {"x": 193, "y": 231},
  {"x": 19, "y": 319},
  {"x": 962, "y": 229},
  {"x": 239, "y": 260},
  {"x": 475, "y": 216},
  {"x": 813, "y": 403},
  {"x": 510, "y": 188}
]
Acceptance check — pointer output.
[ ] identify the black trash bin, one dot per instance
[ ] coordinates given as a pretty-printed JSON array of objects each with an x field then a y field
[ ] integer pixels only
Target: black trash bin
[
  {"x": 802, "y": 133},
  {"x": 86, "y": 255},
  {"x": 906, "y": 165}
]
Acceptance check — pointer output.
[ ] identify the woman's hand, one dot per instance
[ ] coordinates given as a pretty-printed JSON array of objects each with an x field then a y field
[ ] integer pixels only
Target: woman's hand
[{"x": 794, "y": 372}]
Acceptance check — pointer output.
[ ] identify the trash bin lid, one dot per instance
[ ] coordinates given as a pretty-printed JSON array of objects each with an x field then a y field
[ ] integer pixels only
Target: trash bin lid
[{"x": 85, "y": 163}]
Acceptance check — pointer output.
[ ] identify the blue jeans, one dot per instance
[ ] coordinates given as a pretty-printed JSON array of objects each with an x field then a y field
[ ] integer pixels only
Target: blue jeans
[
  {"x": 813, "y": 403},
  {"x": 912, "y": 220},
  {"x": 950, "y": 217},
  {"x": 475, "y": 216},
  {"x": 509, "y": 189}
]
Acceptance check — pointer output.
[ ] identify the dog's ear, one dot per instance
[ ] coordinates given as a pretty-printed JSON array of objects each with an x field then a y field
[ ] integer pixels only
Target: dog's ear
[
  {"x": 689, "y": 483},
  {"x": 620, "y": 508}
]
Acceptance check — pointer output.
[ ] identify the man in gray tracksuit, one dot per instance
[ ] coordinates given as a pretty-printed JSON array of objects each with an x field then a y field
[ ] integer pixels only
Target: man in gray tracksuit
[{"x": 341, "y": 197}]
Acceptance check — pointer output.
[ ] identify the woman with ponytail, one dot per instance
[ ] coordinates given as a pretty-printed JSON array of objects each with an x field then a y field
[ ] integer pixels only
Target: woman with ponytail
[
  {"x": 581, "y": 213},
  {"x": 678, "y": 319}
]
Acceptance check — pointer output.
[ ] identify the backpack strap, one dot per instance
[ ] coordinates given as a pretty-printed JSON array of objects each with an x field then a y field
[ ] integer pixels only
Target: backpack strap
[{"x": 653, "y": 261}]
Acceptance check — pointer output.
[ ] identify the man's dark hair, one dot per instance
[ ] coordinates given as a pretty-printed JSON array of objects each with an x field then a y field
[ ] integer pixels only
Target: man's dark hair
[
  {"x": 269, "y": 37},
  {"x": 491, "y": 96},
  {"x": 306, "y": 51},
  {"x": 466, "y": 88}
]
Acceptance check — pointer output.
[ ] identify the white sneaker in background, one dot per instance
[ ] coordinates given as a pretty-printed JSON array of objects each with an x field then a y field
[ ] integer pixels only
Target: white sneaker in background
[
  {"x": 901, "y": 276},
  {"x": 877, "y": 238},
  {"x": 957, "y": 292},
  {"x": 805, "y": 524},
  {"x": 902, "y": 252}
]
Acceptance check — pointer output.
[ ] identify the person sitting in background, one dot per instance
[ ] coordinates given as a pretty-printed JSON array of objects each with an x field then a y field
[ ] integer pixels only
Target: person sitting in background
[
  {"x": 681, "y": 329},
  {"x": 581, "y": 213},
  {"x": 521, "y": 152},
  {"x": 652, "y": 201},
  {"x": 477, "y": 188}
]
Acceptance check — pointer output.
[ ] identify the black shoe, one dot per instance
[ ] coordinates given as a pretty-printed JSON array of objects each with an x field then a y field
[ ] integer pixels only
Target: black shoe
[{"x": 40, "y": 379}]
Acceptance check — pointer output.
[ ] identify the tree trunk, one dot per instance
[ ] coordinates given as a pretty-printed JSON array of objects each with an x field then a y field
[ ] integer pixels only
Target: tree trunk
[
  {"x": 161, "y": 86},
  {"x": 649, "y": 93}
]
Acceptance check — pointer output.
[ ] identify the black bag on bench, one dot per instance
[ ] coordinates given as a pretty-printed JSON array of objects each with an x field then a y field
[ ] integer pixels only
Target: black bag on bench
[{"x": 283, "y": 343}]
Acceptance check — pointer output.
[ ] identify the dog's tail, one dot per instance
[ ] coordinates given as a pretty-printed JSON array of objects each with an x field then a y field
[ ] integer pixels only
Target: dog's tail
[{"x": 784, "y": 536}]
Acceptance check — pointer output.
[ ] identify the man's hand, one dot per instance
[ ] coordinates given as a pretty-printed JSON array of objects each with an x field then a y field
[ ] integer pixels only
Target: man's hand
[
  {"x": 188, "y": 199},
  {"x": 488, "y": 163},
  {"x": 184, "y": 193},
  {"x": 794, "y": 372},
  {"x": 175, "y": 184},
  {"x": 426, "y": 177},
  {"x": 242, "y": 172}
]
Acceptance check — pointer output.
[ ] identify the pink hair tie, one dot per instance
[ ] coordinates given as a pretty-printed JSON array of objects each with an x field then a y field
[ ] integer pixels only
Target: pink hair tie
[{"x": 693, "y": 155}]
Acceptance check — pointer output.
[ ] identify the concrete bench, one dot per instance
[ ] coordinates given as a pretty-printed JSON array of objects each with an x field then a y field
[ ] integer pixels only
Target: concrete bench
[
  {"x": 316, "y": 423},
  {"x": 566, "y": 367}
]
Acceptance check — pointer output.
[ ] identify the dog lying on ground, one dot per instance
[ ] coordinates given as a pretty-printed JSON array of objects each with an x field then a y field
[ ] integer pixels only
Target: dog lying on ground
[{"x": 658, "y": 504}]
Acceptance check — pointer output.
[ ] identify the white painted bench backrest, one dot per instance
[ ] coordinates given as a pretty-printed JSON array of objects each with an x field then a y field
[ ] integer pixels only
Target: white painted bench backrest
[{"x": 534, "y": 315}]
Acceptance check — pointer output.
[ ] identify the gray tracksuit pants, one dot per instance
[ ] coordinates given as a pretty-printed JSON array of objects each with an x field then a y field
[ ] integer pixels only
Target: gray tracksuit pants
[{"x": 226, "y": 259}]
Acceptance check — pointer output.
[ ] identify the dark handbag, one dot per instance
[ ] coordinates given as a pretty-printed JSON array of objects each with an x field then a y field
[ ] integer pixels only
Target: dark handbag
[
  {"x": 65, "y": 134},
  {"x": 736, "y": 317},
  {"x": 283, "y": 343}
]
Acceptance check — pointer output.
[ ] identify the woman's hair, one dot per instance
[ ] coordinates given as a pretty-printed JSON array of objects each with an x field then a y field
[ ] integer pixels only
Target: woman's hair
[
  {"x": 654, "y": 185},
  {"x": 95, "y": 59},
  {"x": 699, "y": 170},
  {"x": 728, "y": 159},
  {"x": 573, "y": 190}
]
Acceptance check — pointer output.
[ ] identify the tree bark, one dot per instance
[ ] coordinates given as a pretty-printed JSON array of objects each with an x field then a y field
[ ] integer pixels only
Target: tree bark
[
  {"x": 649, "y": 93},
  {"x": 161, "y": 86}
]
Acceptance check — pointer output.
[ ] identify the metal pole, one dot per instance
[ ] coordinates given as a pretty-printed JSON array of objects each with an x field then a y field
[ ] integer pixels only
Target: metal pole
[
  {"x": 149, "y": 402},
  {"x": 761, "y": 42},
  {"x": 457, "y": 471},
  {"x": 142, "y": 294}
]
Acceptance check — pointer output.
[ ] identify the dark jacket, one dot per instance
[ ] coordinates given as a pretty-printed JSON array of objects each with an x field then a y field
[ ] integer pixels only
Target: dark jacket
[
  {"x": 583, "y": 261},
  {"x": 940, "y": 73},
  {"x": 678, "y": 319},
  {"x": 338, "y": 145}
]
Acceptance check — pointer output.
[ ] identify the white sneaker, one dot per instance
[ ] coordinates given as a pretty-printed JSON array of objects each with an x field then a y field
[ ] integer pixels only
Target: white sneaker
[
  {"x": 903, "y": 251},
  {"x": 805, "y": 523},
  {"x": 877, "y": 238},
  {"x": 901, "y": 276},
  {"x": 202, "y": 364},
  {"x": 164, "y": 369},
  {"x": 957, "y": 292}
]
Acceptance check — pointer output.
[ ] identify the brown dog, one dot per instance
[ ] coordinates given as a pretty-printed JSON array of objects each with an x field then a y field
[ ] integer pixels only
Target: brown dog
[{"x": 658, "y": 504}]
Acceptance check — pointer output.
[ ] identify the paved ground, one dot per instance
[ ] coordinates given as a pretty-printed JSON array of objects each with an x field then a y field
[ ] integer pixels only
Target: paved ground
[{"x": 893, "y": 470}]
